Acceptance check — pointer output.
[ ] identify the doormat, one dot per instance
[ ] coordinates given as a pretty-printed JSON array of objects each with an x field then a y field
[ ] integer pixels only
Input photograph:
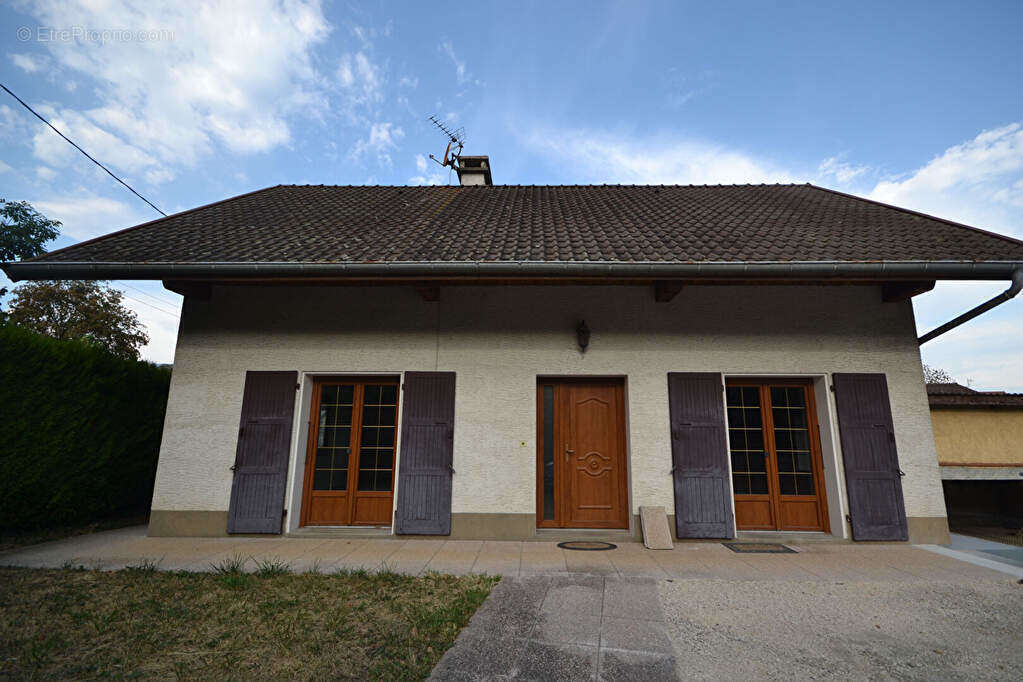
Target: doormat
[
  {"x": 758, "y": 548},
  {"x": 587, "y": 545}
]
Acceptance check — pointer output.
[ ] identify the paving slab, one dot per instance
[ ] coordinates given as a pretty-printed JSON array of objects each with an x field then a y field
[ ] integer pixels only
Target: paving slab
[{"x": 567, "y": 629}]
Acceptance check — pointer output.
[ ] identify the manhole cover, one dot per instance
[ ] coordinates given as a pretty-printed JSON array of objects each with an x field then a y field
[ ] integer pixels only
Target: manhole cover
[
  {"x": 758, "y": 548},
  {"x": 587, "y": 545}
]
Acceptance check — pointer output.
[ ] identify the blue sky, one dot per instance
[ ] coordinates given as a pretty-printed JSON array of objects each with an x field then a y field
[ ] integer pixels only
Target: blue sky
[{"x": 917, "y": 104}]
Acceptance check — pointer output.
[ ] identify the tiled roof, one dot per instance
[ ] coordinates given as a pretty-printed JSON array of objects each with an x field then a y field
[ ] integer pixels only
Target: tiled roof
[
  {"x": 602, "y": 223},
  {"x": 957, "y": 395}
]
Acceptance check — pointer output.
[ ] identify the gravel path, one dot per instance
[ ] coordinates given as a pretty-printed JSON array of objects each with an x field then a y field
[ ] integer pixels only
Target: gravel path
[{"x": 727, "y": 629}]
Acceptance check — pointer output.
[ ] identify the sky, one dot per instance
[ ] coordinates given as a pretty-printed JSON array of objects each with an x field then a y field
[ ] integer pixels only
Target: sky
[{"x": 917, "y": 104}]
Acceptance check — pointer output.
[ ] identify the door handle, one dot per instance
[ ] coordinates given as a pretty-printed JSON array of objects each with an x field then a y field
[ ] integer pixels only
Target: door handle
[
  {"x": 234, "y": 467},
  {"x": 901, "y": 473},
  {"x": 568, "y": 452}
]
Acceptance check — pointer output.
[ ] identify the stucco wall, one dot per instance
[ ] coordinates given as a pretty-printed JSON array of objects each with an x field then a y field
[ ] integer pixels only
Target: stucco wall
[
  {"x": 499, "y": 339},
  {"x": 978, "y": 436}
]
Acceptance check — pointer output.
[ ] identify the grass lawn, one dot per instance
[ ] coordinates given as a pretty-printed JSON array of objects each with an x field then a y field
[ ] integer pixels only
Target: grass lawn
[{"x": 139, "y": 622}]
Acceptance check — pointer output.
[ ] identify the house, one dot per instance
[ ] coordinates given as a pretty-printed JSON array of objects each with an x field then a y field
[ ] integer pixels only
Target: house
[
  {"x": 487, "y": 361},
  {"x": 979, "y": 438}
]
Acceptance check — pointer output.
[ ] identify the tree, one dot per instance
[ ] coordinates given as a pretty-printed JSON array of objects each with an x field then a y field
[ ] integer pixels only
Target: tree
[
  {"x": 24, "y": 230},
  {"x": 936, "y": 375},
  {"x": 86, "y": 310}
]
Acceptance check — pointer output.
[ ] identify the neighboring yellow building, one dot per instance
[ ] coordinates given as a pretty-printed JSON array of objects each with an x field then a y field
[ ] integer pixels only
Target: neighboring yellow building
[
  {"x": 979, "y": 439},
  {"x": 977, "y": 429}
]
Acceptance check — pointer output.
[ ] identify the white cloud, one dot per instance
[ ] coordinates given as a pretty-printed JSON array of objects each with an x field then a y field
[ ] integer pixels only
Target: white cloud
[
  {"x": 383, "y": 137},
  {"x": 4, "y": 167},
  {"x": 447, "y": 48},
  {"x": 420, "y": 163},
  {"x": 45, "y": 173},
  {"x": 978, "y": 182},
  {"x": 28, "y": 63},
  {"x": 85, "y": 216},
  {"x": 409, "y": 82},
  {"x": 361, "y": 78},
  {"x": 224, "y": 73},
  {"x": 606, "y": 158},
  {"x": 844, "y": 173},
  {"x": 429, "y": 179}
]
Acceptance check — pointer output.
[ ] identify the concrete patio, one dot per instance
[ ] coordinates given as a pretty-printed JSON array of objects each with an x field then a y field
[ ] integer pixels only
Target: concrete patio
[{"x": 813, "y": 561}]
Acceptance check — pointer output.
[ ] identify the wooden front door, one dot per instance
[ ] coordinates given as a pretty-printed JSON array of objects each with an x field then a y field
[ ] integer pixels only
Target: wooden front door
[
  {"x": 776, "y": 457},
  {"x": 581, "y": 468},
  {"x": 349, "y": 472}
]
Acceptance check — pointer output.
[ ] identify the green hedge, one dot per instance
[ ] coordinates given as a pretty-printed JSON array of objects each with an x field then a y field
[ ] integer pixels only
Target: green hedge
[{"x": 79, "y": 431}]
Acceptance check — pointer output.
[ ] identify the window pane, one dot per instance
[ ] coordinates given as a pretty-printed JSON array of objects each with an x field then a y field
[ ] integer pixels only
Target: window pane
[
  {"x": 339, "y": 479},
  {"x": 792, "y": 440},
  {"x": 548, "y": 453},
  {"x": 740, "y": 484},
  {"x": 746, "y": 440},
  {"x": 804, "y": 483},
  {"x": 389, "y": 395},
  {"x": 366, "y": 480},
  {"x": 787, "y": 484},
  {"x": 383, "y": 480},
  {"x": 321, "y": 479}
]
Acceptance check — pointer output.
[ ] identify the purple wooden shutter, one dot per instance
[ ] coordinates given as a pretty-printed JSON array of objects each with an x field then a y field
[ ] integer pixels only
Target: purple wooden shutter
[
  {"x": 261, "y": 460},
  {"x": 699, "y": 453},
  {"x": 872, "y": 476},
  {"x": 427, "y": 449}
]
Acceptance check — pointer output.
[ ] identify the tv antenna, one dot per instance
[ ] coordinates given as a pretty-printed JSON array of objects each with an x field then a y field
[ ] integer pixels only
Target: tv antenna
[{"x": 455, "y": 137}]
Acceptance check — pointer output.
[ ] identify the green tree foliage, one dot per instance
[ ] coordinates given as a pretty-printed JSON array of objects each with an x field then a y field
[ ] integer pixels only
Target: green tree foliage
[
  {"x": 23, "y": 230},
  {"x": 85, "y": 310},
  {"x": 80, "y": 431},
  {"x": 936, "y": 375}
]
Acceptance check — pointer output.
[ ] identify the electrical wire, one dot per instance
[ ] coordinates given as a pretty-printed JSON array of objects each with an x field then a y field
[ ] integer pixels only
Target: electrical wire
[
  {"x": 146, "y": 294},
  {"x": 165, "y": 312},
  {"x": 36, "y": 114}
]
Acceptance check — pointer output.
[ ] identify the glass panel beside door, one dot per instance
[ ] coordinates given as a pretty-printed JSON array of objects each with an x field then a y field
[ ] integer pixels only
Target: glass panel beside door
[
  {"x": 349, "y": 477},
  {"x": 775, "y": 455}
]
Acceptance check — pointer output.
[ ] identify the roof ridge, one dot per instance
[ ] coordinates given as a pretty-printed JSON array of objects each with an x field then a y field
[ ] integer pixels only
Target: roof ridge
[
  {"x": 42, "y": 256},
  {"x": 589, "y": 186},
  {"x": 1011, "y": 240}
]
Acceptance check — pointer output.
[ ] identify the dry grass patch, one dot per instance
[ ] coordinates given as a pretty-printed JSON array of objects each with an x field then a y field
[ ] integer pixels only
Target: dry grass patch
[{"x": 229, "y": 625}]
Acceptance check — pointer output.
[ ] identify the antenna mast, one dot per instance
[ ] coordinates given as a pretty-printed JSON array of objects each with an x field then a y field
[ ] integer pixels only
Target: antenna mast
[{"x": 455, "y": 137}]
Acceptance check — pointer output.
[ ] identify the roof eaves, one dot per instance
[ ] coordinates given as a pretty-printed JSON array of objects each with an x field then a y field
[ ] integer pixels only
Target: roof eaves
[{"x": 781, "y": 270}]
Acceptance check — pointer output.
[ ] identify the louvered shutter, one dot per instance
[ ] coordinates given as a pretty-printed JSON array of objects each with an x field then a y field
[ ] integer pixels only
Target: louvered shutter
[
  {"x": 699, "y": 452},
  {"x": 427, "y": 449},
  {"x": 261, "y": 459},
  {"x": 872, "y": 475}
]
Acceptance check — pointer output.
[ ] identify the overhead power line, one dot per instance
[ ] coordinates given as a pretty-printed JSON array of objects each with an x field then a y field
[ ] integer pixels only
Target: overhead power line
[{"x": 36, "y": 114}]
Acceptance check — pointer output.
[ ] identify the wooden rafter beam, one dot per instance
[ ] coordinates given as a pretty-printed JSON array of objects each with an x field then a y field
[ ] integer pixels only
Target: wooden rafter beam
[
  {"x": 665, "y": 291},
  {"x": 429, "y": 292},
  {"x": 200, "y": 291},
  {"x": 892, "y": 292}
]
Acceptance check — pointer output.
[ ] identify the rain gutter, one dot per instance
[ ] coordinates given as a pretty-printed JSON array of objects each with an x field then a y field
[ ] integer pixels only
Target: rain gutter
[
  {"x": 780, "y": 270},
  {"x": 1015, "y": 288}
]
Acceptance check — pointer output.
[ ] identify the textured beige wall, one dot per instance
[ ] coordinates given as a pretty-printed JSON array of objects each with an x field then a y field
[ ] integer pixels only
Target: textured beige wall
[
  {"x": 978, "y": 436},
  {"x": 499, "y": 339}
]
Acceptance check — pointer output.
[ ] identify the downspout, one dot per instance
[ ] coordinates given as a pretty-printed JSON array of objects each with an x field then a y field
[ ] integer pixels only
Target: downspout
[{"x": 1017, "y": 286}]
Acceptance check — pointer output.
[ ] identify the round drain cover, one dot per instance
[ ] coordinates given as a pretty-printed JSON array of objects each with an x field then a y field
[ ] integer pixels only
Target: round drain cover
[{"x": 587, "y": 545}]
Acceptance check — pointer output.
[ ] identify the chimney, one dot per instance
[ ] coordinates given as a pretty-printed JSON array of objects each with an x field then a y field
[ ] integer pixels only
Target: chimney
[{"x": 474, "y": 170}]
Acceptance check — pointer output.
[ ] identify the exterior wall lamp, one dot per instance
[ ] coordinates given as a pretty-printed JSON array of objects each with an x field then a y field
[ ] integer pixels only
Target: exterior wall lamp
[{"x": 582, "y": 335}]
